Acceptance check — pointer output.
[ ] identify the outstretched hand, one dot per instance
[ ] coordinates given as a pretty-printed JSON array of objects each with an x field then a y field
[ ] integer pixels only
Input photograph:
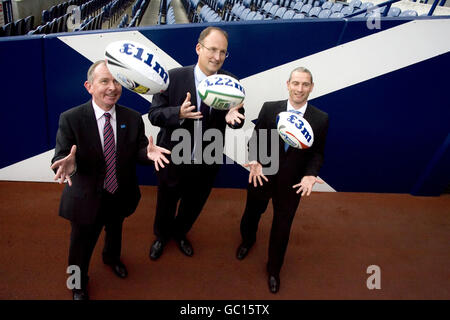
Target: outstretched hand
[
  {"x": 234, "y": 115},
  {"x": 156, "y": 154},
  {"x": 255, "y": 173},
  {"x": 306, "y": 184},
  {"x": 186, "y": 109},
  {"x": 65, "y": 166}
]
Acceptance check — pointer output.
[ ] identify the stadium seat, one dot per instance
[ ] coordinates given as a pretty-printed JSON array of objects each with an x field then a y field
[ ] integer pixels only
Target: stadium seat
[
  {"x": 337, "y": 7},
  {"x": 355, "y": 4},
  {"x": 366, "y": 5},
  {"x": 9, "y": 29},
  {"x": 314, "y": 12},
  {"x": 29, "y": 24},
  {"x": 266, "y": 8},
  {"x": 258, "y": 16},
  {"x": 347, "y": 10},
  {"x": 394, "y": 12},
  {"x": 298, "y": 16},
  {"x": 251, "y": 15},
  {"x": 305, "y": 9},
  {"x": 327, "y": 5},
  {"x": 297, "y": 7},
  {"x": 244, "y": 14},
  {"x": 288, "y": 14},
  {"x": 279, "y": 13},
  {"x": 324, "y": 14},
  {"x": 272, "y": 11},
  {"x": 19, "y": 26},
  {"x": 45, "y": 16},
  {"x": 408, "y": 13},
  {"x": 336, "y": 15}
]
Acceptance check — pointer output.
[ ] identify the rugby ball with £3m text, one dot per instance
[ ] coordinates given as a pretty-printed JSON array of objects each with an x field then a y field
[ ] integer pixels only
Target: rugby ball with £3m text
[
  {"x": 295, "y": 130},
  {"x": 221, "y": 92},
  {"x": 136, "y": 67}
]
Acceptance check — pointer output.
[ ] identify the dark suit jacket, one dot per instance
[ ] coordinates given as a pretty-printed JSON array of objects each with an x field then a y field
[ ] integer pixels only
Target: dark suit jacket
[
  {"x": 165, "y": 108},
  {"x": 165, "y": 111},
  {"x": 80, "y": 203},
  {"x": 295, "y": 163}
]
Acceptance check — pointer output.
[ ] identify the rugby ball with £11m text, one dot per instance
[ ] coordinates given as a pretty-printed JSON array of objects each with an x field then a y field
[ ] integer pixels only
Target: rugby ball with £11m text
[
  {"x": 295, "y": 130},
  {"x": 136, "y": 67},
  {"x": 221, "y": 91}
]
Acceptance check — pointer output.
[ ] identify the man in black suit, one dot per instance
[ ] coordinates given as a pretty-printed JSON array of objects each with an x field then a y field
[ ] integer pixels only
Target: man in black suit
[
  {"x": 298, "y": 168},
  {"x": 180, "y": 108},
  {"x": 97, "y": 147}
]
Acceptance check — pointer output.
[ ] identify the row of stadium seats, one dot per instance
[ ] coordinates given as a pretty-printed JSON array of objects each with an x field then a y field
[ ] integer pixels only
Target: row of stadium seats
[
  {"x": 137, "y": 12},
  {"x": 17, "y": 28},
  {"x": 294, "y": 9}
]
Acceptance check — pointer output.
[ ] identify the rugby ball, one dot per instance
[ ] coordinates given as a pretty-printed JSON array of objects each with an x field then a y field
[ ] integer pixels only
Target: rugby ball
[
  {"x": 295, "y": 130},
  {"x": 221, "y": 92},
  {"x": 136, "y": 67}
]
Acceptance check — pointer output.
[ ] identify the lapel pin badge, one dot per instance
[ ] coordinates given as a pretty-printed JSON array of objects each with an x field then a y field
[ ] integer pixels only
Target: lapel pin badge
[{"x": 122, "y": 126}]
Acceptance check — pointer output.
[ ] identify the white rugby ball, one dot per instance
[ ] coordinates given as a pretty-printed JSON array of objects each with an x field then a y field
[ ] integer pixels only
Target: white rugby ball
[
  {"x": 136, "y": 67},
  {"x": 221, "y": 92},
  {"x": 295, "y": 130}
]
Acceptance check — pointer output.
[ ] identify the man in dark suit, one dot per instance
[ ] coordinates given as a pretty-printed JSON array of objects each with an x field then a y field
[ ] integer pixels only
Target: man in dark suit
[
  {"x": 180, "y": 108},
  {"x": 298, "y": 168},
  {"x": 97, "y": 147}
]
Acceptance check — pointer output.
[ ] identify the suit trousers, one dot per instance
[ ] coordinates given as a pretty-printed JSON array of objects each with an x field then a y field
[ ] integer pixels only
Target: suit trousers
[
  {"x": 285, "y": 202},
  {"x": 194, "y": 184},
  {"x": 83, "y": 237}
]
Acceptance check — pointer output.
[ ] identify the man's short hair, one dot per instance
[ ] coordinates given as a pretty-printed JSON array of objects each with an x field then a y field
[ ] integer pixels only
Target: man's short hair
[
  {"x": 208, "y": 30},
  {"x": 90, "y": 73},
  {"x": 301, "y": 69}
]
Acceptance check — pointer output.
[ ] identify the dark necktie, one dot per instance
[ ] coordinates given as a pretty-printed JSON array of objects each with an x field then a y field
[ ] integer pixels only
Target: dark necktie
[
  {"x": 110, "y": 184},
  {"x": 204, "y": 109}
]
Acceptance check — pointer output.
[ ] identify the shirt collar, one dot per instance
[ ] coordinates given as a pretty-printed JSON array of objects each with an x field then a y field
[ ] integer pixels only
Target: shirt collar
[
  {"x": 199, "y": 75},
  {"x": 290, "y": 107},
  {"x": 99, "y": 112}
]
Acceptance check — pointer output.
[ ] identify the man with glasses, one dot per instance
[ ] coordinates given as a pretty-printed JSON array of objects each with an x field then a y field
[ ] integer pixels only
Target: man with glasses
[{"x": 180, "y": 107}]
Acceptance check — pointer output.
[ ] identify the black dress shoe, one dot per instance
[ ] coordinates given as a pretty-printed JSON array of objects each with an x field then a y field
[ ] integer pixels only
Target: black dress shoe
[
  {"x": 185, "y": 247},
  {"x": 119, "y": 269},
  {"x": 243, "y": 250},
  {"x": 80, "y": 294},
  {"x": 274, "y": 283},
  {"x": 156, "y": 250}
]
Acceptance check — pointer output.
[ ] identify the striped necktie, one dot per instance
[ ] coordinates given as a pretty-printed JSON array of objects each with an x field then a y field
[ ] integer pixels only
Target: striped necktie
[{"x": 110, "y": 184}]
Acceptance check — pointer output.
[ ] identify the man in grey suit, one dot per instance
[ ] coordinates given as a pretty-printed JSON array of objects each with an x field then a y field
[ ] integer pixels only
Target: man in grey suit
[
  {"x": 180, "y": 108},
  {"x": 97, "y": 147},
  {"x": 296, "y": 176}
]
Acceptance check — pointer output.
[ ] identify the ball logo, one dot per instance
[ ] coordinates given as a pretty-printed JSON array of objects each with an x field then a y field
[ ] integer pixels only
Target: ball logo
[
  {"x": 295, "y": 130},
  {"x": 221, "y": 91},
  {"x": 295, "y": 120},
  {"x": 128, "y": 83},
  {"x": 147, "y": 57},
  {"x": 136, "y": 67}
]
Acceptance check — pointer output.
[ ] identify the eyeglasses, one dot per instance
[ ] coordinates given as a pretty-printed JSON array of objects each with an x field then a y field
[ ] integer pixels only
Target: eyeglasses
[{"x": 213, "y": 51}]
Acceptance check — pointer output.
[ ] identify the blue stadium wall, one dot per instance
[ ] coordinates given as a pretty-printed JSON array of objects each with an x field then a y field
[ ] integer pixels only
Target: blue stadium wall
[{"x": 386, "y": 92}]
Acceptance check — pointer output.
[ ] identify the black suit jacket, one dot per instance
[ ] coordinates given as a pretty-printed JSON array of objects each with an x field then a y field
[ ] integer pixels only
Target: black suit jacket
[
  {"x": 80, "y": 203},
  {"x": 294, "y": 163},
  {"x": 165, "y": 111}
]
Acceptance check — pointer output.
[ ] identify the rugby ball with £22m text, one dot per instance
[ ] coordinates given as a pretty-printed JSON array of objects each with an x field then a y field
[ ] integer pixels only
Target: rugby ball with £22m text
[
  {"x": 136, "y": 67},
  {"x": 221, "y": 91},
  {"x": 295, "y": 130}
]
